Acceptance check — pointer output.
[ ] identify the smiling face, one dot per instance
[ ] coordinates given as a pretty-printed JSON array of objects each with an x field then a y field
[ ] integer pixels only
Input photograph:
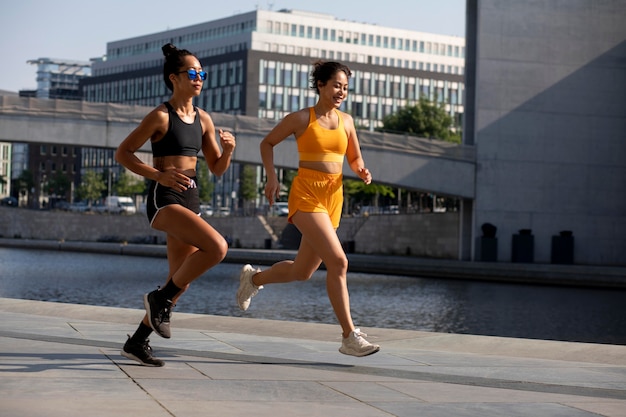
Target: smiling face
[{"x": 335, "y": 90}]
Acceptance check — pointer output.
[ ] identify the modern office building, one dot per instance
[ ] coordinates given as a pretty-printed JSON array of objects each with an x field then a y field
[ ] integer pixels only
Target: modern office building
[
  {"x": 259, "y": 64},
  {"x": 58, "y": 78}
]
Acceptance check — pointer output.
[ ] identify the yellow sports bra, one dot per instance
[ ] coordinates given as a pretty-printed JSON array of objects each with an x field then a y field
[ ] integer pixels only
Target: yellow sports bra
[{"x": 322, "y": 145}]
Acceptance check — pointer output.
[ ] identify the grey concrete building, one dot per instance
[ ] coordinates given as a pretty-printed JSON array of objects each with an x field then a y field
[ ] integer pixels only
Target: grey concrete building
[{"x": 546, "y": 111}]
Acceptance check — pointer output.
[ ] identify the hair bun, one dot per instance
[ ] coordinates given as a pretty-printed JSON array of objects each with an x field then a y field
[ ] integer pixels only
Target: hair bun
[{"x": 168, "y": 49}]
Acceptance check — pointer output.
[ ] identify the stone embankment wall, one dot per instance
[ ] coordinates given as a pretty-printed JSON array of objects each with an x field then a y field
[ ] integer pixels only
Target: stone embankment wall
[{"x": 432, "y": 235}]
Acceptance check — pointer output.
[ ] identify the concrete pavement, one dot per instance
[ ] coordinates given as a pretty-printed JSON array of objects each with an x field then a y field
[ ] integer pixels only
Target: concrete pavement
[{"x": 63, "y": 360}]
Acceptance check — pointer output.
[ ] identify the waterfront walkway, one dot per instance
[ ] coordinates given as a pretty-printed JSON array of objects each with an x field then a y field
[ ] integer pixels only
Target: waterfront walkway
[{"x": 63, "y": 360}]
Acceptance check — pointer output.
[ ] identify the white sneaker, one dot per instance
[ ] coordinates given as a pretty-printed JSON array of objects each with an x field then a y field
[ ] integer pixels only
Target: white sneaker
[
  {"x": 247, "y": 289},
  {"x": 356, "y": 345}
]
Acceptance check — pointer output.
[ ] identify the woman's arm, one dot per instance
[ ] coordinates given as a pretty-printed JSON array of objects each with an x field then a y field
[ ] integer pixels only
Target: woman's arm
[
  {"x": 290, "y": 125},
  {"x": 217, "y": 161},
  {"x": 353, "y": 153},
  {"x": 149, "y": 127},
  {"x": 154, "y": 126}
]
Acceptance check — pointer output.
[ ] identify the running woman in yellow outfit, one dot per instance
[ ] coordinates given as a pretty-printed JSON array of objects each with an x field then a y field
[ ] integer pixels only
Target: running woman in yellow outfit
[{"x": 324, "y": 136}]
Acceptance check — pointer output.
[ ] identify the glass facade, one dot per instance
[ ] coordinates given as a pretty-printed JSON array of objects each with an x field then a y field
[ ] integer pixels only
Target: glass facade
[
  {"x": 258, "y": 64},
  {"x": 284, "y": 87}
]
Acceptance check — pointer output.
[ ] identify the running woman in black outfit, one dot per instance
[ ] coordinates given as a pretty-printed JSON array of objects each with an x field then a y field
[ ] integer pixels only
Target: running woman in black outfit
[{"x": 178, "y": 131}]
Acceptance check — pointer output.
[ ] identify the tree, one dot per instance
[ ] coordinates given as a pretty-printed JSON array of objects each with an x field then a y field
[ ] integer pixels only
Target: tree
[
  {"x": 358, "y": 192},
  {"x": 425, "y": 119},
  {"x": 24, "y": 183},
  {"x": 91, "y": 187},
  {"x": 203, "y": 177},
  {"x": 129, "y": 186},
  {"x": 58, "y": 185},
  {"x": 248, "y": 186}
]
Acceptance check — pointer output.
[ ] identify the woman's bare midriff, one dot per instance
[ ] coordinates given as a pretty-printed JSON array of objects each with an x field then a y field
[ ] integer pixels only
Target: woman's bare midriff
[
  {"x": 186, "y": 164},
  {"x": 327, "y": 167}
]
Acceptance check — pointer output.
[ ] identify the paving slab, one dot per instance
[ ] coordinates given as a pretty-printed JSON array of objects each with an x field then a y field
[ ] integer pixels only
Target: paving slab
[{"x": 61, "y": 359}]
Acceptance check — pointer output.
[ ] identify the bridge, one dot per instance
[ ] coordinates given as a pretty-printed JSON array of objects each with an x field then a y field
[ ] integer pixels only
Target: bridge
[{"x": 396, "y": 160}]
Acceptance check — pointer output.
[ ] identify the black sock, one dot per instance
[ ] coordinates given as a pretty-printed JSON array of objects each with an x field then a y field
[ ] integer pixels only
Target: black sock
[
  {"x": 170, "y": 290},
  {"x": 142, "y": 333}
]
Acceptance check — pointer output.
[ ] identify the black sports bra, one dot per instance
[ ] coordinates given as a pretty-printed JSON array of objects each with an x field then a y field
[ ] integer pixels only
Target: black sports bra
[{"x": 181, "y": 139}]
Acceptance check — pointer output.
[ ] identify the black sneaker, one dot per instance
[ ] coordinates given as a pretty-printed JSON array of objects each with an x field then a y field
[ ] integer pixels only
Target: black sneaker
[
  {"x": 140, "y": 352},
  {"x": 159, "y": 312}
]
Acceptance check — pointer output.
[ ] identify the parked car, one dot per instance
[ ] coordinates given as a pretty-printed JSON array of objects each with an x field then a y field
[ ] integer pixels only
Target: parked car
[
  {"x": 119, "y": 205},
  {"x": 223, "y": 211},
  {"x": 9, "y": 201},
  {"x": 79, "y": 207},
  {"x": 62, "y": 205},
  {"x": 279, "y": 208},
  {"x": 206, "y": 210}
]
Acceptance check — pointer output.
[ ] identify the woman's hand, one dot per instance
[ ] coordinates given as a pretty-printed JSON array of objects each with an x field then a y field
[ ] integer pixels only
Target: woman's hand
[
  {"x": 227, "y": 140},
  {"x": 173, "y": 178},
  {"x": 272, "y": 190},
  {"x": 365, "y": 175}
]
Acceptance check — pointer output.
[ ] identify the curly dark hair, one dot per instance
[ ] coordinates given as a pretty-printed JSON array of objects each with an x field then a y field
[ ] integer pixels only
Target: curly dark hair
[
  {"x": 324, "y": 70},
  {"x": 174, "y": 61}
]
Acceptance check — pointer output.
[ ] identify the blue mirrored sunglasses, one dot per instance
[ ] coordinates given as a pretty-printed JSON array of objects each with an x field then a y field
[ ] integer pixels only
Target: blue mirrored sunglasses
[{"x": 193, "y": 74}]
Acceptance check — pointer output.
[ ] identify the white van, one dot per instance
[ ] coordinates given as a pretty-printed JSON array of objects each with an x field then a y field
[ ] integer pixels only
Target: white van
[{"x": 119, "y": 205}]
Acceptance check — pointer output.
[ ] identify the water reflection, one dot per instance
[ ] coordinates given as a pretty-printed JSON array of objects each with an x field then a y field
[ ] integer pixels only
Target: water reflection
[{"x": 448, "y": 306}]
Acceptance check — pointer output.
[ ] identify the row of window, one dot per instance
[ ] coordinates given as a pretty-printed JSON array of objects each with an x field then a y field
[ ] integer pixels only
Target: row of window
[
  {"x": 275, "y": 73},
  {"x": 203, "y": 36},
  {"x": 136, "y": 89},
  {"x": 367, "y": 111},
  {"x": 54, "y": 150},
  {"x": 52, "y": 168},
  {"x": 294, "y": 30},
  {"x": 356, "y": 38}
]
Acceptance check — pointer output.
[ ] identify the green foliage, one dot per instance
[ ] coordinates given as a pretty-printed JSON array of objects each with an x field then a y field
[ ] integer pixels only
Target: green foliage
[
  {"x": 59, "y": 184},
  {"x": 129, "y": 185},
  {"x": 25, "y": 182},
  {"x": 425, "y": 119},
  {"x": 248, "y": 184},
  {"x": 203, "y": 178},
  {"x": 359, "y": 191},
  {"x": 91, "y": 187}
]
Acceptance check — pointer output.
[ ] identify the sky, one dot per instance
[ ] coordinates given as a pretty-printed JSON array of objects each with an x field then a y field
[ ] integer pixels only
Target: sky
[{"x": 80, "y": 30}]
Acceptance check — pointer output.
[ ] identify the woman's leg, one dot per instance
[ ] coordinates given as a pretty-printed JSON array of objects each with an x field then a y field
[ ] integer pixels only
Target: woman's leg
[
  {"x": 320, "y": 237},
  {"x": 196, "y": 246},
  {"x": 301, "y": 268},
  {"x": 177, "y": 252}
]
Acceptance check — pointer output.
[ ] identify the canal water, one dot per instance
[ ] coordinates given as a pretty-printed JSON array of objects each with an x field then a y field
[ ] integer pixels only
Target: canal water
[{"x": 438, "y": 305}]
